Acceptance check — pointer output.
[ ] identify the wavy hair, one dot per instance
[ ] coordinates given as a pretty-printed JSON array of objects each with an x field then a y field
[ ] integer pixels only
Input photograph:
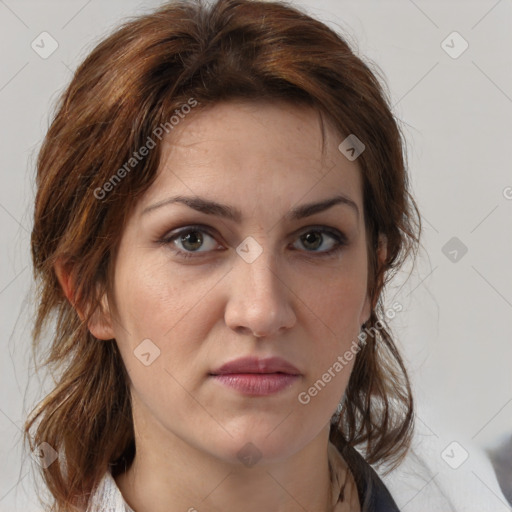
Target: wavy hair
[{"x": 134, "y": 80}]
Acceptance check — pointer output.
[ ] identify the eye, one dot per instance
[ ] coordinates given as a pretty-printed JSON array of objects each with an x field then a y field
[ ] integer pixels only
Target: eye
[
  {"x": 315, "y": 237},
  {"x": 190, "y": 240},
  {"x": 198, "y": 239}
]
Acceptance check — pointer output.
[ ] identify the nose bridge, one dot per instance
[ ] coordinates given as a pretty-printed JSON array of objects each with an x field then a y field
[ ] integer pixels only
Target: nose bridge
[
  {"x": 262, "y": 275},
  {"x": 259, "y": 299}
]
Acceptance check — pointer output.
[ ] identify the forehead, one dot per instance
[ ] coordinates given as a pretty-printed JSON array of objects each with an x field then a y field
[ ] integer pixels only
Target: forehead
[{"x": 250, "y": 153}]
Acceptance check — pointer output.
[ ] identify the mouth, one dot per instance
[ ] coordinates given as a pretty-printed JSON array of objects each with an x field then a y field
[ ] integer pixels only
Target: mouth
[
  {"x": 256, "y": 365},
  {"x": 257, "y": 384},
  {"x": 257, "y": 377}
]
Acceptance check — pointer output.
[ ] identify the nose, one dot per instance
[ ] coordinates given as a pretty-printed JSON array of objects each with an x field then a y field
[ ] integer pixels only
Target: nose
[{"x": 259, "y": 299}]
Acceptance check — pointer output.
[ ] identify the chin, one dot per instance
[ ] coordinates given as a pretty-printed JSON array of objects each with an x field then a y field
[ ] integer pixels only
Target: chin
[{"x": 253, "y": 446}]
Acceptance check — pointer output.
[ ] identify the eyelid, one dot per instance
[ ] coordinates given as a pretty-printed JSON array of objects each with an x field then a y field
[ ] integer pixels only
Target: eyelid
[
  {"x": 170, "y": 236},
  {"x": 334, "y": 232},
  {"x": 339, "y": 236}
]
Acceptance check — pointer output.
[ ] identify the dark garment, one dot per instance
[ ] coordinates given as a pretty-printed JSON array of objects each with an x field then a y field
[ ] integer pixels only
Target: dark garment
[
  {"x": 501, "y": 459},
  {"x": 373, "y": 494}
]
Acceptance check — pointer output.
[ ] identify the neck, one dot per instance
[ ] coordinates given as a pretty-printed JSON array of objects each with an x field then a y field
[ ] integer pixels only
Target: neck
[{"x": 192, "y": 480}]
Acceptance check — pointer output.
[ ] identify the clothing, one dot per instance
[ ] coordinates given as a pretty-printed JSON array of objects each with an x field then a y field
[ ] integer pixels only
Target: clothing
[
  {"x": 372, "y": 493},
  {"x": 501, "y": 458}
]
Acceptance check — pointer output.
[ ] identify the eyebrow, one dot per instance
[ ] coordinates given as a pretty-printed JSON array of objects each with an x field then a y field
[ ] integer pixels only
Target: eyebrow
[{"x": 210, "y": 207}]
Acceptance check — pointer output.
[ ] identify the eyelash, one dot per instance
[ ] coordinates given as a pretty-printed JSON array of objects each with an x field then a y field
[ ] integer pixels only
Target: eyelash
[{"x": 338, "y": 236}]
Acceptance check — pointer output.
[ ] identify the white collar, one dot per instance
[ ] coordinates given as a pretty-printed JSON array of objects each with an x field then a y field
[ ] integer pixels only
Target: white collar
[{"x": 107, "y": 496}]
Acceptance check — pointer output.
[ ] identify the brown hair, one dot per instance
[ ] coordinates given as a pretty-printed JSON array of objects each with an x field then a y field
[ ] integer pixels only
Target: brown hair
[{"x": 133, "y": 81}]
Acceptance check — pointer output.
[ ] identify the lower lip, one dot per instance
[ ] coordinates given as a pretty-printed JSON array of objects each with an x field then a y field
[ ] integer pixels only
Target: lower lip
[{"x": 257, "y": 384}]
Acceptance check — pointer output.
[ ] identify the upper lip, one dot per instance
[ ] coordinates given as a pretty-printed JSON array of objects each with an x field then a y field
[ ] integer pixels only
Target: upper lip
[{"x": 257, "y": 365}]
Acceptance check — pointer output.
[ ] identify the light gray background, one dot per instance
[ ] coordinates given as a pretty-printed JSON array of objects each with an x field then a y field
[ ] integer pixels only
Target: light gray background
[{"x": 455, "y": 331}]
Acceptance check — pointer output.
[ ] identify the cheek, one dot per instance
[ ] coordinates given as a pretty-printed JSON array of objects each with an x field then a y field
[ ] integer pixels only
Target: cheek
[
  {"x": 151, "y": 300},
  {"x": 168, "y": 308},
  {"x": 338, "y": 298},
  {"x": 335, "y": 307}
]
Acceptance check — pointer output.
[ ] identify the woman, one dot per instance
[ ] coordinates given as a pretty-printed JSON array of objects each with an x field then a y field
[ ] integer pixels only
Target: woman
[{"x": 222, "y": 197}]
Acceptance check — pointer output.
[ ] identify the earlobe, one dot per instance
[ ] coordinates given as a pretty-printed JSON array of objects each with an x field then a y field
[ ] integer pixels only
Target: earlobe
[
  {"x": 367, "y": 311},
  {"x": 382, "y": 253},
  {"x": 100, "y": 323},
  {"x": 382, "y": 248},
  {"x": 63, "y": 272}
]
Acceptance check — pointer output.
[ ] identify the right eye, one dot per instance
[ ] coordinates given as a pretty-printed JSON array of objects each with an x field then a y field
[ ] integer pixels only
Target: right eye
[{"x": 189, "y": 240}]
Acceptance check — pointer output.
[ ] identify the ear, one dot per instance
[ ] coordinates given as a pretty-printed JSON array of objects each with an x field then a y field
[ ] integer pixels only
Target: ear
[
  {"x": 100, "y": 323},
  {"x": 382, "y": 252}
]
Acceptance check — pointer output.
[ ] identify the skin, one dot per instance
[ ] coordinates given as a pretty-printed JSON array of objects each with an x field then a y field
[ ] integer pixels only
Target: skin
[{"x": 291, "y": 301}]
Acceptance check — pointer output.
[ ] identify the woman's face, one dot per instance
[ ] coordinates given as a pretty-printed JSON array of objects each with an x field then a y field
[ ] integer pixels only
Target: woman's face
[{"x": 243, "y": 277}]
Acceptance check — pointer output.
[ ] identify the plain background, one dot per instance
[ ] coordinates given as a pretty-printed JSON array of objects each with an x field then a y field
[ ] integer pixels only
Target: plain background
[{"x": 456, "y": 114}]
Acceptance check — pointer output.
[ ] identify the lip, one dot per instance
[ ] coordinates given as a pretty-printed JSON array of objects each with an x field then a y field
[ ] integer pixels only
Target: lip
[
  {"x": 257, "y": 384},
  {"x": 254, "y": 365},
  {"x": 257, "y": 377}
]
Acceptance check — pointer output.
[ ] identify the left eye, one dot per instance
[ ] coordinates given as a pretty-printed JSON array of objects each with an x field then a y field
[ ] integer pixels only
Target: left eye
[
  {"x": 314, "y": 239},
  {"x": 190, "y": 240}
]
